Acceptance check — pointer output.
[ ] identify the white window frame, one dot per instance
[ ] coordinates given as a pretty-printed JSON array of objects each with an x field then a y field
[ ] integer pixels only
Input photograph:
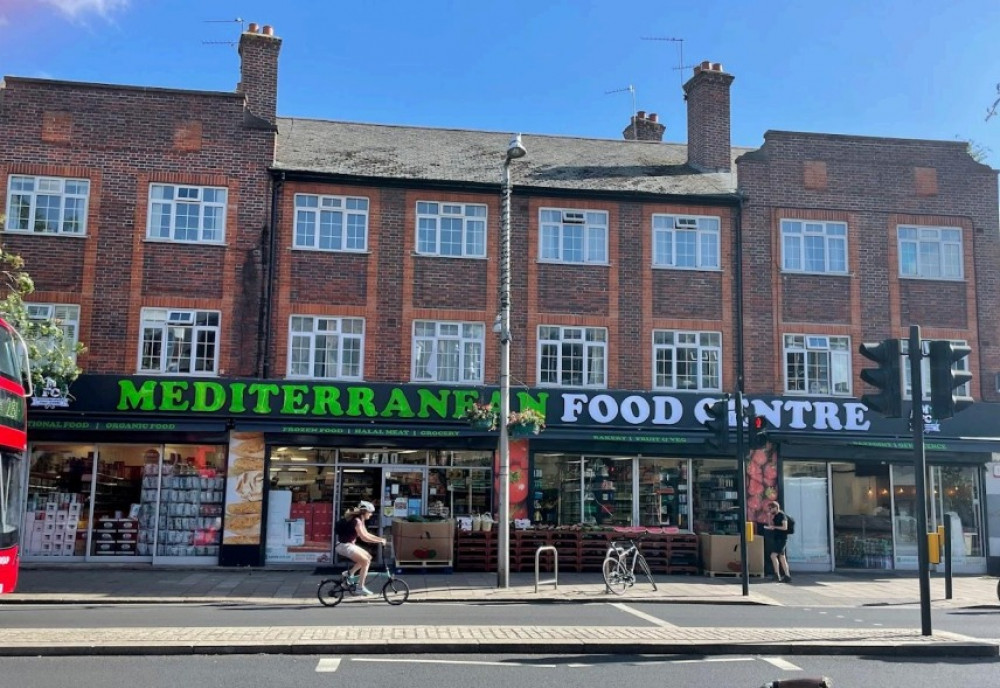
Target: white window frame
[
  {"x": 925, "y": 371},
  {"x": 204, "y": 209},
  {"x": 167, "y": 323},
  {"x": 561, "y": 345},
  {"x": 922, "y": 252},
  {"x": 435, "y": 219},
  {"x": 65, "y": 316},
  {"x": 800, "y": 238},
  {"x": 572, "y": 236},
  {"x": 694, "y": 360},
  {"x": 438, "y": 341},
  {"x": 341, "y": 338},
  {"x": 331, "y": 223},
  {"x": 687, "y": 242},
  {"x": 812, "y": 348},
  {"x": 65, "y": 199}
]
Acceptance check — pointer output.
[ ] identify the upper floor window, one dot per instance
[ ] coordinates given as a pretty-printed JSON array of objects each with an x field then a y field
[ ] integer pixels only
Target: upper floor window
[
  {"x": 179, "y": 341},
  {"x": 813, "y": 246},
  {"x": 48, "y": 205},
  {"x": 687, "y": 360},
  {"x": 817, "y": 364},
  {"x": 573, "y": 236},
  {"x": 64, "y": 316},
  {"x": 187, "y": 213},
  {"x": 930, "y": 252},
  {"x": 448, "y": 351},
  {"x": 451, "y": 229},
  {"x": 685, "y": 242},
  {"x": 925, "y": 372},
  {"x": 572, "y": 356},
  {"x": 331, "y": 223},
  {"x": 324, "y": 347}
]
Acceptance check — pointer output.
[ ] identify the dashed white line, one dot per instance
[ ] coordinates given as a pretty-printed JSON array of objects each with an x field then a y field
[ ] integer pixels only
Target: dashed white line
[
  {"x": 642, "y": 615},
  {"x": 782, "y": 664},
  {"x": 328, "y": 664}
]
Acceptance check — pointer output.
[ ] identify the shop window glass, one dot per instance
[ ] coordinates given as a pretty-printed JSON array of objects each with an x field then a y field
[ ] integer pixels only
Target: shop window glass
[
  {"x": 555, "y": 484},
  {"x": 955, "y": 494},
  {"x": 58, "y": 495},
  {"x": 300, "y": 511},
  {"x": 863, "y": 514},
  {"x": 663, "y": 493},
  {"x": 192, "y": 492},
  {"x": 716, "y": 498}
]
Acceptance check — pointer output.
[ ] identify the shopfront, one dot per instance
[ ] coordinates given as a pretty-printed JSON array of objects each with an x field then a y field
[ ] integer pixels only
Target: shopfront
[{"x": 237, "y": 472}]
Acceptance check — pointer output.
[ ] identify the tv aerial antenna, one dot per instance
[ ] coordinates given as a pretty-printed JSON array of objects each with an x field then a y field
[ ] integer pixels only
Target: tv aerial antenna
[
  {"x": 680, "y": 54},
  {"x": 628, "y": 89},
  {"x": 240, "y": 20}
]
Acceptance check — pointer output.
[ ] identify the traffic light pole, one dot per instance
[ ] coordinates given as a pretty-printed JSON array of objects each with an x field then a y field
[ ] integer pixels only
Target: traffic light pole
[{"x": 920, "y": 472}]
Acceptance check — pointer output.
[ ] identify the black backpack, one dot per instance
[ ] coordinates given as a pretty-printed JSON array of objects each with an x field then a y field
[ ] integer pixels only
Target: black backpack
[
  {"x": 791, "y": 525},
  {"x": 344, "y": 529}
]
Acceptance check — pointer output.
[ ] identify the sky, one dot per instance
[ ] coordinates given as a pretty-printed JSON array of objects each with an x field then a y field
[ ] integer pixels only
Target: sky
[{"x": 923, "y": 69}]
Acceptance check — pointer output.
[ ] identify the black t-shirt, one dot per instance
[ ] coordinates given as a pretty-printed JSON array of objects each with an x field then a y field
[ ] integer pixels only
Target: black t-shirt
[
  {"x": 777, "y": 521},
  {"x": 346, "y": 530}
]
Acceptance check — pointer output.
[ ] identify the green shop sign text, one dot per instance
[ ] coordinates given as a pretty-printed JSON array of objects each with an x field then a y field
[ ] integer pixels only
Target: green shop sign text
[{"x": 291, "y": 399}]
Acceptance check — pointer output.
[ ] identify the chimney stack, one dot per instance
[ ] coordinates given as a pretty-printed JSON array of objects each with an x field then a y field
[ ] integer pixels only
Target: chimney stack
[
  {"x": 259, "y": 49},
  {"x": 707, "y": 95},
  {"x": 644, "y": 128}
]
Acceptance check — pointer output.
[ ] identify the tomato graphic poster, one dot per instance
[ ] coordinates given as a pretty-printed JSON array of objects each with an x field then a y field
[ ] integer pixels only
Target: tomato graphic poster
[
  {"x": 517, "y": 487},
  {"x": 762, "y": 483}
]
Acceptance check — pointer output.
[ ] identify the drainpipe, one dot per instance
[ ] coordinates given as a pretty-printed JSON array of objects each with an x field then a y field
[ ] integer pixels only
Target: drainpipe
[{"x": 267, "y": 290}]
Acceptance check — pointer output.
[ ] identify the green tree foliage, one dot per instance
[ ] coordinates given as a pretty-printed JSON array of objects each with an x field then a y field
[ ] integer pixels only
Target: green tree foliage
[{"x": 51, "y": 356}]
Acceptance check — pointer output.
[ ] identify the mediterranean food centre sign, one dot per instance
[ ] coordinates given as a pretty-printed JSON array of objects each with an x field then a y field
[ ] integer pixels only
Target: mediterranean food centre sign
[{"x": 145, "y": 399}]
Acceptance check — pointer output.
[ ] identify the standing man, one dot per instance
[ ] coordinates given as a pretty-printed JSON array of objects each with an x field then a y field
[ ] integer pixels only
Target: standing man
[{"x": 779, "y": 540}]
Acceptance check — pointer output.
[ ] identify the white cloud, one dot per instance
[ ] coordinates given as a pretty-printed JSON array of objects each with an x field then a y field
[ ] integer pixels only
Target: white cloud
[{"x": 77, "y": 8}]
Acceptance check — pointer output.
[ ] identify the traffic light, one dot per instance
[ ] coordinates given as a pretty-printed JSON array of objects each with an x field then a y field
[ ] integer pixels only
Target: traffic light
[
  {"x": 757, "y": 425},
  {"x": 718, "y": 424},
  {"x": 886, "y": 378},
  {"x": 944, "y": 378}
]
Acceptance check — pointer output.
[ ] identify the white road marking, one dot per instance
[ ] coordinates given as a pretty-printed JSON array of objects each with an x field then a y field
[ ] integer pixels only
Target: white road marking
[
  {"x": 714, "y": 659},
  {"x": 781, "y": 664},
  {"x": 447, "y": 661},
  {"x": 642, "y": 615},
  {"x": 329, "y": 664}
]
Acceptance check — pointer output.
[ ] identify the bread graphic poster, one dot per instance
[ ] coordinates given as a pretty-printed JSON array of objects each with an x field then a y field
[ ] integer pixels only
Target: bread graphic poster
[{"x": 244, "y": 489}]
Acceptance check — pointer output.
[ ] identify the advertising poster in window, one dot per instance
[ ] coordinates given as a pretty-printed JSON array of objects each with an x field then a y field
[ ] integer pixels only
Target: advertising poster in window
[{"x": 244, "y": 489}]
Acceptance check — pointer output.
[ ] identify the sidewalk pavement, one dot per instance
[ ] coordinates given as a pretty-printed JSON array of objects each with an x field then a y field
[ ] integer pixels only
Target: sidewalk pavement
[{"x": 121, "y": 585}]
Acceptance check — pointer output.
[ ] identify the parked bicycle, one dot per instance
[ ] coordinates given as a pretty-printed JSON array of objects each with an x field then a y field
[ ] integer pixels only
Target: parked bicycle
[
  {"x": 620, "y": 564},
  {"x": 331, "y": 591}
]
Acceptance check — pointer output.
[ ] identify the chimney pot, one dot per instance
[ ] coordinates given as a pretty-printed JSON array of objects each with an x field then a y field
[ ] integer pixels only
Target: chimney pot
[
  {"x": 717, "y": 66},
  {"x": 706, "y": 65},
  {"x": 641, "y": 114},
  {"x": 267, "y": 30},
  {"x": 252, "y": 28},
  {"x": 653, "y": 117}
]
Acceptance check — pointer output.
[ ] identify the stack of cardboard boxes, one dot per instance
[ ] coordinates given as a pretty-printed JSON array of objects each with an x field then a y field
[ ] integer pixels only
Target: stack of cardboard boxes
[
  {"x": 53, "y": 527},
  {"x": 115, "y": 536},
  {"x": 318, "y": 518}
]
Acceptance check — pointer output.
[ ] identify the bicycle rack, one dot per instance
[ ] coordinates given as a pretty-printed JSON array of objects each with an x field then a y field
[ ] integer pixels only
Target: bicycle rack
[{"x": 555, "y": 556}]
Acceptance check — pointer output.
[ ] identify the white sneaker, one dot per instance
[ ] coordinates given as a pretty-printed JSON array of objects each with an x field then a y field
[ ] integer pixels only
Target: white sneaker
[{"x": 366, "y": 592}]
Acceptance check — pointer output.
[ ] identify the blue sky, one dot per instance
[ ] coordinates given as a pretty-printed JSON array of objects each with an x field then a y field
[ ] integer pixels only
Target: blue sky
[{"x": 903, "y": 68}]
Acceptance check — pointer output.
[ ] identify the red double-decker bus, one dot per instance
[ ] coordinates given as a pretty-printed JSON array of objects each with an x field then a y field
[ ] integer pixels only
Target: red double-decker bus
[{"x": 15, "y": 388}]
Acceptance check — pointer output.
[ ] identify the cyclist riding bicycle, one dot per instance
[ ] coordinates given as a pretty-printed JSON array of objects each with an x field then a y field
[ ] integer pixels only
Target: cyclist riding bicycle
[{"x": 349, "y": 530}]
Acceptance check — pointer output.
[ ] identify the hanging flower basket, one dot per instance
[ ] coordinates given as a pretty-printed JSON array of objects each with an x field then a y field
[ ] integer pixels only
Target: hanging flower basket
[
  {"x": 525, "y": 423},
  {"x": 482, "y": 416}
]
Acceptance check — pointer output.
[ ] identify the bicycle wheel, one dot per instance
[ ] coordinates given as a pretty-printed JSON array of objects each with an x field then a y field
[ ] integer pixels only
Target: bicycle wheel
[
  {"x": 614, "y": 575},
  {"x": 330, "y": 592},
  {"x": 998, "y": 589},
  {"x": 395, "y": 591},
  {"x": 643, "y": 566}
]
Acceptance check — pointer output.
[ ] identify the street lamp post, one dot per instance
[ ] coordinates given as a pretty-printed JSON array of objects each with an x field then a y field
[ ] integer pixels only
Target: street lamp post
[{"x": 514, "y": 150}]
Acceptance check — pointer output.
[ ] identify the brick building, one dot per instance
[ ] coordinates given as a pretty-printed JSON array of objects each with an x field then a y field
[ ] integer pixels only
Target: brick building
[{"x": 331, "y": 320}]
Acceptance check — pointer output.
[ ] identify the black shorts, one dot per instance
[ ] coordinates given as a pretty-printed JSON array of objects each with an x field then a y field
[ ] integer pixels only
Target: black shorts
[{"x": 779, "y": 543}]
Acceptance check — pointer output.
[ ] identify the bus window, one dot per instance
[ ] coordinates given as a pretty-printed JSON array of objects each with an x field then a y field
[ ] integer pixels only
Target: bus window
[{"x": 10, "y": 499}]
